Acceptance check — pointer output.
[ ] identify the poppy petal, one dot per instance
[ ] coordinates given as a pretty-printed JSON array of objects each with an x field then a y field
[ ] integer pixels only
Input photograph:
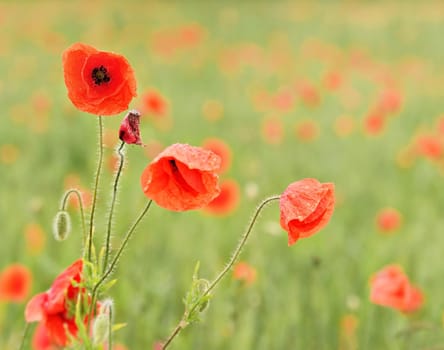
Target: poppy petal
[{"x": 35, "y": 308}]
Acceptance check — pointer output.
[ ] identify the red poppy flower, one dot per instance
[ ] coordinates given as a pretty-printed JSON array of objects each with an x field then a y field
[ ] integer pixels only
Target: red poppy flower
[
  {"x": 54, "y": 308},
  {"x": 390, "y": 287},
  {"x": 41, "y": 340},
  {"x": 388, "y": 220},
  {"x": 306, "y": 206},
  {"x": 182, "y": 177},
  {"x": 222, "y": 150},
  {"x": 15, "y": 283},
  {"x": 227, "y": 200},
  {"x": 98, "y": 82},
  {"x": 129, "y": 129}
]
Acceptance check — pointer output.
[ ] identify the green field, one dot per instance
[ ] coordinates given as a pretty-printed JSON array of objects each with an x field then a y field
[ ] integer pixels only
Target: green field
[{"x": 228, "y": 69}]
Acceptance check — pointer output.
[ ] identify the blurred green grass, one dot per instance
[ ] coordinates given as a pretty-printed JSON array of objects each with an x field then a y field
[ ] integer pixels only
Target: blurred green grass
[{"x": 293, "y": 304}]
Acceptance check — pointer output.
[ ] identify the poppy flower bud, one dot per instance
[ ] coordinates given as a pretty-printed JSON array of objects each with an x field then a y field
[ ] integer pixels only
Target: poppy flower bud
[
  {"x": 100, "y": 329},
  {"x": 62, "y": 225},
  {"x": 129, "y": 129}
]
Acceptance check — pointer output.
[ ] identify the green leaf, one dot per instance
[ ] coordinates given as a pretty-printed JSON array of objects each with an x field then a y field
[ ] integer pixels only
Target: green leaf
[{"x": 118, "y": 326}]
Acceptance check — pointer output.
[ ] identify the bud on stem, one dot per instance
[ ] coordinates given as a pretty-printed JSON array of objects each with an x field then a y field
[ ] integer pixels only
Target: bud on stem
[{"x": 62, "y": 225}]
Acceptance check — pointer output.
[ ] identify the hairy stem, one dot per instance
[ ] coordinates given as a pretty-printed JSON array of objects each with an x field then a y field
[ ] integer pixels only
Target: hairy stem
[
  {"x": 96, "y": 186},
  {"x": 82, "y": 214},
  {"x": 110, "y": 328},
  {"x": 182, "y": 324},
  {"x": 113, "y": 202}
]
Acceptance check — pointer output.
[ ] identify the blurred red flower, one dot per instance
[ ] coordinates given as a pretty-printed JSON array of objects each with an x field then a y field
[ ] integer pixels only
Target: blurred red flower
[
  {"x": 129, "y": 128},
  {"x": 227, "y": 200},
  {"x": 429, "y": 146},
  {"x": 222, "y": 150},
  {"x": 388, "y": 220},
  {"x": 391, "y": 287},
  {"x": 283, "y": 100},
  {"x": 307, "y": 130},
  {"x": 244, "y": 272},
  {"x": 54, "y": 308},
  {"x": 333, "y": 80},
  {"x": 306, "y": 206},
  {"x": 272, "y": 130},
  {"x": 182, "y": 177},
  {"x": 98, "y": 82},
  {"x": 390, "y": 101},
  {"x": 374, "y": 123},
  {"x": 153, "y": 103},
  {"x": 308, "y": 93},
  {"x": 15, "y": 283}
]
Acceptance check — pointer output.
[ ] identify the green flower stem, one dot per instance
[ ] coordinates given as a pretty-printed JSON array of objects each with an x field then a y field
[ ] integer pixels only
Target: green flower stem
[
  {"x": 125, "y": 241},
  {"x": 110, "y": 328},
  {"x": 82, "y": 214},
  {"x": 183, "y": 323},
  {"x": 96, "y": 186},
  {"x": 113, "y": 202},
  {"x": 24, "y": 336}
]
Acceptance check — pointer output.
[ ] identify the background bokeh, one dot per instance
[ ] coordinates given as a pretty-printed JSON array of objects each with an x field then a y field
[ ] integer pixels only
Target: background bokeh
[{"x": 345, "y": 92}]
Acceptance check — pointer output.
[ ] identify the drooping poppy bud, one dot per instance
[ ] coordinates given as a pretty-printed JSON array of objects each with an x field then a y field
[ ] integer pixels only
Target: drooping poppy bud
[
  {"x": 306, "y": 206},
  {"x": 129, "y": 129},
  {"x": 62, "y": 225}
]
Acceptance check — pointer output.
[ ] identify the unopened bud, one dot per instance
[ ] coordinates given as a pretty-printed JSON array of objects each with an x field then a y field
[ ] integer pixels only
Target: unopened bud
[
  {"x": 100, "y": 329},
  {"x": 62, "y": 225}
]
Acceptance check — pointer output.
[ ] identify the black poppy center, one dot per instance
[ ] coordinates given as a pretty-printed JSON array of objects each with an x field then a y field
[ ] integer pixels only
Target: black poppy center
[
  {"x": 100, "y": 75},
  {"x": 173, "y": 165}
]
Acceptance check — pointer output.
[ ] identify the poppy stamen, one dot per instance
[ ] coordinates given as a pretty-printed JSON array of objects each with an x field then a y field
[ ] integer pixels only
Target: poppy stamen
[
  {"x": 173, "y": 165},
  {"x": 100, "y": 75}
]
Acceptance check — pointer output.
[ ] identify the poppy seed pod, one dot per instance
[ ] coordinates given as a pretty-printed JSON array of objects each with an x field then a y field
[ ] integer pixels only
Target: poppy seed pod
[{"x": 62, "y": 225}]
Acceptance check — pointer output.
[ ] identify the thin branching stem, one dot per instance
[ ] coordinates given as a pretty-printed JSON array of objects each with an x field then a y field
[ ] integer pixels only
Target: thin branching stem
[
  {"x": 241, "y": 244},
  {"x": 96, "y": 186},
  {"x": 113, "y": 202},
  {"x": 237, "y": 251},
  {"x": 125, "y": 241},
  {"x": 82, "y": 213}
]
